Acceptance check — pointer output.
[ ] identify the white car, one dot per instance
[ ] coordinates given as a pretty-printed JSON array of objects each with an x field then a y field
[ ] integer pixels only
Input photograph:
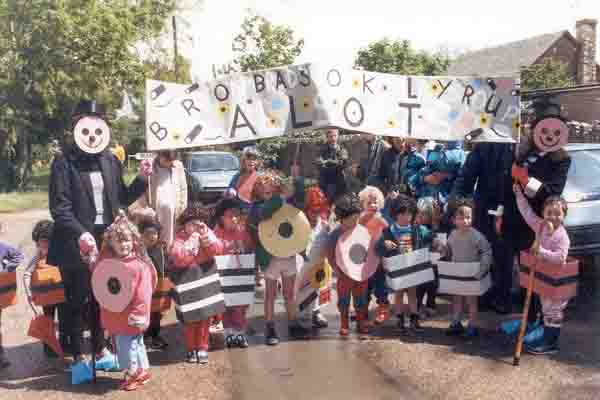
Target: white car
[{"x": 213, "y": 170}]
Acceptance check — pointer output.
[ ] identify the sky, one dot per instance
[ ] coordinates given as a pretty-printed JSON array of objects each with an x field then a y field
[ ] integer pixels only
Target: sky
[{"x": 334, "y": 30}]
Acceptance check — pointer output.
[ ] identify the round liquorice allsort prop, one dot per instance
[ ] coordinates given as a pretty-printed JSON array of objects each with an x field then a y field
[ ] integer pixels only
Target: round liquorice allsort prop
[
  {"x": 320, "y": 276},
  {"x": 286, "y": 233},
  {"x": 112, "y": 285},
  {"x": 91, "y": 134},
  {"x": 354, "y": 255},
  {"x": 550, "y": 134}
]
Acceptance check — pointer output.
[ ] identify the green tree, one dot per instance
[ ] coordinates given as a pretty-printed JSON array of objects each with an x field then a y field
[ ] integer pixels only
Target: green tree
[
  {"x": 399, "y": 57},
  {"x": 262, "y": 44},
  {"x": 55, "y": 52},
  {"x": 550, "y": 73}
]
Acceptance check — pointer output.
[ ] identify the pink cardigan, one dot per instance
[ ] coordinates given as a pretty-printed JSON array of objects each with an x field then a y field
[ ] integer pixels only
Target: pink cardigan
[
  {"x": 144, "y": 278},
  {"x": 187, "y": 253},
  {"x": 227, "y": 239},
  {"x": 554, "y": 246}
]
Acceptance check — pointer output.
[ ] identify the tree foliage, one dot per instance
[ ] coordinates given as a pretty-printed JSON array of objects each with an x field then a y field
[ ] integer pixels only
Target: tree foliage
[
  {"x": 399, "y": 57},
  {"x": 262, "y": 44},
  {"x": 55, "y": 52},
  {"x": 550, "y": 73}
]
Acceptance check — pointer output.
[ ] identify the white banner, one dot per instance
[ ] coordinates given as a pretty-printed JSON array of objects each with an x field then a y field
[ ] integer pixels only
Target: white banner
[{"x": 272, "y": 102}]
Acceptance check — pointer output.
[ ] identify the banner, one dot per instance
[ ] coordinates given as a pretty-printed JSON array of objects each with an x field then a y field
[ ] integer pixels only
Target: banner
[{"x": 269, "y": 103}]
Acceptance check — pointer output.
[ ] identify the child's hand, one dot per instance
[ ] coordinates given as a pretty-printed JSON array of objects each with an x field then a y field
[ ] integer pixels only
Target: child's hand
[
  {"x": 517, "y": 188},
  {"x": 548, "y": 226},
  {"x": 390, "y": 245}
]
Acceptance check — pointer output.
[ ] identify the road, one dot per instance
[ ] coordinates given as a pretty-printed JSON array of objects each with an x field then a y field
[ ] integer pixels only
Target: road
[{"x": 383, "y": 366}]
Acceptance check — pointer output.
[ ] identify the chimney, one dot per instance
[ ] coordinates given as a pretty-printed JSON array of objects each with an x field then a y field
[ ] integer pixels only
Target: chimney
[{"x": 586, "y": 52}]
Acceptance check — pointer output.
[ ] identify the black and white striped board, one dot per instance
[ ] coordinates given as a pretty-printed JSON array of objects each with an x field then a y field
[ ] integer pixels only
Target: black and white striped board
[
  {"x": 197, "y": 293},
  {"x": 237, "y": 275},
  {"x": 463, "y": 278},
  {"x": 408, "y": 270}
]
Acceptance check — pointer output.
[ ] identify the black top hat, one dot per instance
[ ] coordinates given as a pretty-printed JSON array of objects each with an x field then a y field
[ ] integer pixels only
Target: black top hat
[{"x": 89, "y": 107}]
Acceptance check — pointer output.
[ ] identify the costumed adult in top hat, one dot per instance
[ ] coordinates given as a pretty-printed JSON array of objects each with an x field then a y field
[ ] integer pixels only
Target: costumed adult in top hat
[{"x": 87, "y": 191}]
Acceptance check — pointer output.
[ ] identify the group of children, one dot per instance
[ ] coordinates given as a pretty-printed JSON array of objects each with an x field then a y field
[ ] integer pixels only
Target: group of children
[{"x": 396, "y": 225}]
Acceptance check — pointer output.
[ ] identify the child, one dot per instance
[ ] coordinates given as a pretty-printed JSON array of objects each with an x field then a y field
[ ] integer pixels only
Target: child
[
  {"x": 10, "y": 259},
  {"x": 242, "y": 183},
  {"x": 466, "y": 244},
  {"x": 195, "y": 246},
  {"x": 552, "y": 244},
  {"x": 372, "y": 201},
  {"x": 122, "y": 241},
  {"x": 316, "y": 208},
  {"x": 404, "y": 236},
  {"x": 41, "y": 236},
  {"x": 268, "y": 191},
  {"x": 347, "y": 210},
  {"x": 150, "y": 231},
  {"x": 437, "y": 177},
  {"x": 428, "y": 214},
  {"x": 233, "y": 239}
]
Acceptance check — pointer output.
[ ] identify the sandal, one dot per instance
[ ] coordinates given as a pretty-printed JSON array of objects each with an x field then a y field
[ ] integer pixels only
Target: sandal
[
  {"x": 130, "y": 382},
  {"x": 231, "y": 341},
  {"x": 241, "y": 340}
]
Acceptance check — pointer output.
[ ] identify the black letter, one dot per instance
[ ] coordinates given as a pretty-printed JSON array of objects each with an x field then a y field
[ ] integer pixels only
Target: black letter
[
  {"x": 469, "y": 91},
  {"x": 188, "y": 105},
  {"x": 259, "y": 85},
  {"x": 366, "y": 83},
  {"x": 362, "y": 112},
  {"x": 305, "y": 73},
  {"x": 235, "y": 126},
  {"x": 410, "y": 107},
  {"x": 410, "y": 93},
  {"x": 295, "y": 124},
  {"x": 339, "y": 78},
  {"x": 494, "y": 112},
  {"x": 444, "y": 88},
  {"x": 220, "y": 85},
  {"x": 193, "y": 134},
  {"x": 280, "y": 80}
]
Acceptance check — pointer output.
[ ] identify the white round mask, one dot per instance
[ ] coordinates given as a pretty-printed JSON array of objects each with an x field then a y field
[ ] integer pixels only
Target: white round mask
[{"x": 91, "y": 134}]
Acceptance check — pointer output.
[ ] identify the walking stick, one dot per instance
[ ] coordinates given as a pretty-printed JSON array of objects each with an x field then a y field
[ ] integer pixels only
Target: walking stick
[{"x": 519, "y": 346}]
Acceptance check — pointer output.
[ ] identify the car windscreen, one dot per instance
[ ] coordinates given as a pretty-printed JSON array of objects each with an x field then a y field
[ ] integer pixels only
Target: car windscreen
[
  {"x": 213, "y": 162},
  {"x": 584, "y": 171}
]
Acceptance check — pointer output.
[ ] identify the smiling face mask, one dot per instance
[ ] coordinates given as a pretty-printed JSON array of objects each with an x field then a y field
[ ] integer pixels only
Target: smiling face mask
[
  {"x": 550, "y": 134},
  {"x": 91, "y": 134}
]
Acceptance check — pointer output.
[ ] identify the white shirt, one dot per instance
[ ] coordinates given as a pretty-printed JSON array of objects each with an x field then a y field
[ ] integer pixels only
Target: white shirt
[{"x": 98, "y": 191}]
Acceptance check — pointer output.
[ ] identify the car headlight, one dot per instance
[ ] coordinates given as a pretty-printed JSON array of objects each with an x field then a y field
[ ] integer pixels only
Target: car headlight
[{"x": 573, "y": 197}]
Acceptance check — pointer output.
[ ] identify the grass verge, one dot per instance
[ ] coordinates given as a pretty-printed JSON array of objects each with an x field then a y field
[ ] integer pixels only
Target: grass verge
[{"x": 15, "y": 202}]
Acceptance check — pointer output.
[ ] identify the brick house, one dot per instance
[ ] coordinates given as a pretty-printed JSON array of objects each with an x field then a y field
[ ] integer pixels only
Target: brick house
[{"x": 580, "y": 102}]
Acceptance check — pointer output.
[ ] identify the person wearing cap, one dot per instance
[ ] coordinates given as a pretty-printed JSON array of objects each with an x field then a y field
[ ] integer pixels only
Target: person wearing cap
[
  {"x": 86, "y": 192},
  {"x": 242, "y": 183}
]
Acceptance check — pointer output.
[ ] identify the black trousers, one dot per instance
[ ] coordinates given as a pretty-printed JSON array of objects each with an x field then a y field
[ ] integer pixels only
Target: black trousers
[{"x": 154, "y": 327}]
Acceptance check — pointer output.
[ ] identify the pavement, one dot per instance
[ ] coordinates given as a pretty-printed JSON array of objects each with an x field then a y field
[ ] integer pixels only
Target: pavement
[{"x": 380, "y": 366}]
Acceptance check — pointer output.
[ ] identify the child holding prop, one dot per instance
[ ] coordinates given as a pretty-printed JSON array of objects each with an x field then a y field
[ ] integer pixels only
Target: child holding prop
[
  {"x": 372, "y": 202},
  {"x": 401, "y": 237},
  {"x": 122, "y": 242},
  {"x": 10, "y": 258},
  {"x": 466, "y": 244},
  {"x": 552, "y": 245}
]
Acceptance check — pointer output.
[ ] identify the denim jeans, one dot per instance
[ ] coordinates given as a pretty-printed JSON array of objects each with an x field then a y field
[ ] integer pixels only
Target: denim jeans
[{"x": 132, "y": 352}]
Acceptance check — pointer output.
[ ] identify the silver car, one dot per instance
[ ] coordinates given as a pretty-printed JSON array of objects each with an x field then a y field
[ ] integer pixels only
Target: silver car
[
  {"x": 582, "y": 193},
  {"x": 213, "y": 170}
]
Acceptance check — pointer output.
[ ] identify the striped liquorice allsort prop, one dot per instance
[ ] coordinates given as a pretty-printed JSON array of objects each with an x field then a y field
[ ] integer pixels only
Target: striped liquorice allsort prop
[
  {"x": 47, "y": 287},
  {"x": 8, "y": 289},
  {"x": 557, "y": 281},
  {"x": 197, "y": 293},
  {"x": 463, "y": 278},
  {"x": 237, "y": 276},
  {"x": 408, "y": 270}
]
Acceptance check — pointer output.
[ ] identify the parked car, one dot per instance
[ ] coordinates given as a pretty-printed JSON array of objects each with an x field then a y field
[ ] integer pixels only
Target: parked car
[
  {"x": 213, "y": 170},
  {"x": 582, "y": 193}
]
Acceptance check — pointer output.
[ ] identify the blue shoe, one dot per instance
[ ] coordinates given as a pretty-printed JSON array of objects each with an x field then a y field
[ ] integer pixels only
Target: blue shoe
[
  {"x": 81, "y": 372},
  {"x": 471, "y": 332},
  {"x": 108, "y": 362},
  {"x": 534, "y": 336},
  {"x": 510, "y": 327},
  {"x": 543, "y": 349}
]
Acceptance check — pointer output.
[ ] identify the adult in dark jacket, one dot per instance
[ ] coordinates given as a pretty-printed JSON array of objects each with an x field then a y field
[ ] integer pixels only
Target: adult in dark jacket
[
  {"x": 371, "y": 164},
  {"x": 86, "y": 193},
  {"x": 486, "y": 177},
  {"x": 333, "y": 163},
  {"x": 390, "y": 170}
]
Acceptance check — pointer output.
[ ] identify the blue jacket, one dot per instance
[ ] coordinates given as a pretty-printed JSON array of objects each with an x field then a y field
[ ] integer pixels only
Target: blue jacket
[
  {"x": 447, "y": 161},
  {"x": 421, "y": 238},
  {"x": 412, "y": 164}
]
